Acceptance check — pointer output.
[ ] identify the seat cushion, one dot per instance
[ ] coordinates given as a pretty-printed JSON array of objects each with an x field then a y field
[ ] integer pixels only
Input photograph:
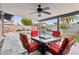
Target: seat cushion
[
  {"x": 56, "y": 45},
  {"x": 64, "y": 43},
  {"x": 54, "y": 48},
  {"x": 56, "y": 33},
  {"x": 71, "y": 37},
  {"x": 33, "y": 47},
  {"x": 35, "y": 33}
]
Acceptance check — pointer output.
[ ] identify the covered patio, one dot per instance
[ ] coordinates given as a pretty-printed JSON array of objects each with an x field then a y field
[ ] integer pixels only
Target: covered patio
[{"x": 65, "y": 21}]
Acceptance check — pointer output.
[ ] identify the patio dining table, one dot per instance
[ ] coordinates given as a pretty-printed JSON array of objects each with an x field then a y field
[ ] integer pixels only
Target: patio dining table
[{"x": 43, "y": 40}]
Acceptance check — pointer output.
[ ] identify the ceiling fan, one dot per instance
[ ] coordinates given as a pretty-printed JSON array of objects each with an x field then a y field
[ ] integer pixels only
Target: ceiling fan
[{"x": 40, "y": 10}]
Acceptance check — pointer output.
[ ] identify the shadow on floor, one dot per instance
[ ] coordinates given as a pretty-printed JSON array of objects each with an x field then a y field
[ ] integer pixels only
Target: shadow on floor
[{"x": 1, "y": 43}]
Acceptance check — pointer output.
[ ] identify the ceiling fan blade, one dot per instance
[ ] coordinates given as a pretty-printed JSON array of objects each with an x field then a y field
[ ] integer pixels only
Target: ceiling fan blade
[
  {"x": 33, "y": 12},
  {"x": 46, "y": 8},
  {"x": 46, "y": 12}
]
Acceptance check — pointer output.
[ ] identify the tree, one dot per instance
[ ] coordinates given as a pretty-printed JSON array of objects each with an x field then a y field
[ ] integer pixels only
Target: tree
[
  {"x": 68, "y": 19},
  {"x": 26, "y": 21}
]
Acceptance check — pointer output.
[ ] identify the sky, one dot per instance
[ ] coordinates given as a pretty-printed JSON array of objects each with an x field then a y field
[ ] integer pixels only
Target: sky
[
  {"x": 50, "y": 21},
  {"x": 17, "y": 19}
]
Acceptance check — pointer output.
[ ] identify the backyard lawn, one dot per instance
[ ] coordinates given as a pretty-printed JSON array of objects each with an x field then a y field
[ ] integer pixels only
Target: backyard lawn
[{"x": 77, "y": 39}]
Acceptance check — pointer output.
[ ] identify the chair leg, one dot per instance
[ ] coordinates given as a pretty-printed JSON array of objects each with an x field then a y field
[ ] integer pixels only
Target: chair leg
[
  {"x": 24, "y": 52},
  {"x": 75, "y": 43},
  {"x": 28, "y": 53}
]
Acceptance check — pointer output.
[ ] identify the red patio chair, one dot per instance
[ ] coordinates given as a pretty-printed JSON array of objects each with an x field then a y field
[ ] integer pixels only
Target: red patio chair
[
  {"x": 57, "y": 34},
  {"x": 30, "y": 47},
  {"x": 35, "y": 33},
  {"x": 71, "y": 37},
  {"x": 55, "y": 49}
]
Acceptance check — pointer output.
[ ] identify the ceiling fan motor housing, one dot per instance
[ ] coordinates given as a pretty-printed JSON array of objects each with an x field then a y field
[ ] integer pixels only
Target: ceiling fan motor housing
[{"x": 39, "y": 9}]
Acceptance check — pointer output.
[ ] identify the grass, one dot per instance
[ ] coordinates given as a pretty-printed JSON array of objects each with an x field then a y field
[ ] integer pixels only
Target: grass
[
  {"x": 63, "y": 27},
  {"x": 77, "y": 39}
]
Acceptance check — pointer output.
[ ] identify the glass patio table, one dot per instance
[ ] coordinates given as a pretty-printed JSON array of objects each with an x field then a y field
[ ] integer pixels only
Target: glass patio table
[{"x": 43, "y": 40}]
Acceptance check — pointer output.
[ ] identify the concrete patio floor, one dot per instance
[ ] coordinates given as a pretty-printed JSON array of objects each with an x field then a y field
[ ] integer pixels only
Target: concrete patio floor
[{"x": 12, "y": 46}]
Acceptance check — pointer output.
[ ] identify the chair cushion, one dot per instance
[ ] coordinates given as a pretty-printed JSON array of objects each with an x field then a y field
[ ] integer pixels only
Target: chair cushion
[
  {"x": 33, "y": 47},
  {"x": 63, "y": 46},
  {"x": 35, "y": 33},
  {"x": 56, "y": 33},
  {"x": 71, "y": 37},
  {"x": 56, "y": 45},
  {"x": 64, "y": 43},
  {"x": 54, "y": 48},
  {"x": 27, "y": 39},
  {"x": 24, "y": 40}
]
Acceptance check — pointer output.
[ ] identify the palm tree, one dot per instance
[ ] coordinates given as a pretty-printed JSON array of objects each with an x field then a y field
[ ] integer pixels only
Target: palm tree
[{"x": 67, "y": 19}]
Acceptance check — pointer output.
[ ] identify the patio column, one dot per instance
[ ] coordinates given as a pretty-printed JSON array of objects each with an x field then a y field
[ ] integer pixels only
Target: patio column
[
  {"x": 58, "y": 24},
  {"x": 2, "y": 25}
]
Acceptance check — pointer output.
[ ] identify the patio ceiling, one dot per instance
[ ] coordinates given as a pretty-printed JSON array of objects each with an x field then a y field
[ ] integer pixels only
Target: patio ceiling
[{"x": 23, "y": 9}]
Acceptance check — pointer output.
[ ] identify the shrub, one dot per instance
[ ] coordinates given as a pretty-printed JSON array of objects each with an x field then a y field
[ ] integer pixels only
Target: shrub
[{"x": 26, "y": 21}]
